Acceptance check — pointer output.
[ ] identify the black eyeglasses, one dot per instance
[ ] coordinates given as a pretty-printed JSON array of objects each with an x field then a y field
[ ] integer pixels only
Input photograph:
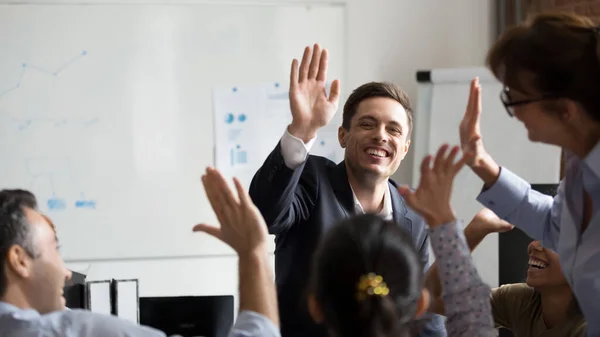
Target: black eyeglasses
[{"x": 509, "y": 104}]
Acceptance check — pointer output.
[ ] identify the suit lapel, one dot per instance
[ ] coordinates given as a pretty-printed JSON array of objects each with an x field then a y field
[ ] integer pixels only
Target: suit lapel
[
  {"x": 341, "y": 188},
  {"x": 399, "y": 207}
]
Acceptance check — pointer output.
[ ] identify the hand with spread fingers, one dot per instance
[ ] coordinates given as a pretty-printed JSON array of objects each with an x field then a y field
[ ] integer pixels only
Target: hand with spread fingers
[
  {"x": 242, "y": 226},
  {"x": 478, "y": 159},
  {"x": 432, "y": 198},
  {"x": 470, "y": 126},
  {"x": 311, "y": 108}
]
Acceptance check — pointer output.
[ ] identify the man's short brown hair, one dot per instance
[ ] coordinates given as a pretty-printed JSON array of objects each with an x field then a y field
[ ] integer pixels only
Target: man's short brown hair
[{"x": 376, "y": 89}]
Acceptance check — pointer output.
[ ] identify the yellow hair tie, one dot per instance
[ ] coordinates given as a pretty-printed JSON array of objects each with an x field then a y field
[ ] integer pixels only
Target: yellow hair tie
[{"x": 371, "y": 285}]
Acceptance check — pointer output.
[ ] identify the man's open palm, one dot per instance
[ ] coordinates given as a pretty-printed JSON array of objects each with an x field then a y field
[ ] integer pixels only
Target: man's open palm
[
  {"x": 242, "y": 226},
  {"x": 311, "y": 108}
]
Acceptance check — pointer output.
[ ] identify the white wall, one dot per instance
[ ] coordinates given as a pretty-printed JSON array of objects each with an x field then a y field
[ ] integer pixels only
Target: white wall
[
  {"x": 387, "y": 40},
  {"x": 392, "y": 39}
]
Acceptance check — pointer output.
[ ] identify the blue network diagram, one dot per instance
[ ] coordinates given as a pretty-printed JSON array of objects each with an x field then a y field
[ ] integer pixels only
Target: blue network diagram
[
  {"x": 51, "y": 176},
  {"x": 22, "y": 123},
  {"x": 46, "y": 173},
  {"x": 32, "y": 67}
]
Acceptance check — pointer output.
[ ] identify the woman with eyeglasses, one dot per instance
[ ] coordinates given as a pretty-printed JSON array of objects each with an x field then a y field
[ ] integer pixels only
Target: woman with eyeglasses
[{"x": 550, "y": 68}]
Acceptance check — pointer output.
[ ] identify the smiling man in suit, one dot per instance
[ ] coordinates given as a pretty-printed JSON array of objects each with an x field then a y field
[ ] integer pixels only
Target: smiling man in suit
[{"x": 301, "y": 196}]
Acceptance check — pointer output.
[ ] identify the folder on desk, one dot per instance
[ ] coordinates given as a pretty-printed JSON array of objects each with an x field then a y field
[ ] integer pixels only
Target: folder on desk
[
  {"x": 98, "y": 297},
  {"x": 126, "y": 299}
]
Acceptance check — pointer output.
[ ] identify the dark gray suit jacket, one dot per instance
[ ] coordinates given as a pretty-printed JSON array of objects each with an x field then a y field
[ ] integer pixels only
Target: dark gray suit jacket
[{"x": 299, "y": 206}]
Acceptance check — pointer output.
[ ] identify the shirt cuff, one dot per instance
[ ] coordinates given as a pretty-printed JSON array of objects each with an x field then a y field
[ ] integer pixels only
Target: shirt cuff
[
  {"x": 253, "y": 324},
  {"x": 293, "y": 150},
  {"x": 506, "y": 194}
]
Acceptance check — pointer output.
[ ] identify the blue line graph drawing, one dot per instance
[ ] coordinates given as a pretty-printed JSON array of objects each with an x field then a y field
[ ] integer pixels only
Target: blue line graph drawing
[
  {"x": 45, "y": 172},
  {"x": 22, "y": 123},
  {"x": 27, "y": 66}
]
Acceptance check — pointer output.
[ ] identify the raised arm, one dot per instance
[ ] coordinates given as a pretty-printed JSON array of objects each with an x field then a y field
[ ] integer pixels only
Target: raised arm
[
  {"x": 244, "y": 229},
  {"x": 281, "y": 189},
  {"x": 469, "y": 312},
  {"x": 509, "y": 196},
  {"x": 483, "y": 223}
]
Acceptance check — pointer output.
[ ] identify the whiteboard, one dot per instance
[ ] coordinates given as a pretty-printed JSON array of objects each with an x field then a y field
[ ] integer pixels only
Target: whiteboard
[
  {"x": 440, "y": 107},
  {"x": 106, "y": 111}
]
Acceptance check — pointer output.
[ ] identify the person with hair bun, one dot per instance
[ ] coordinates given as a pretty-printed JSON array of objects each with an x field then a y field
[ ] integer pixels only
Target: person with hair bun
[
  {"x": 550, "y": 68},
  {"x": 367, "y": 277}
]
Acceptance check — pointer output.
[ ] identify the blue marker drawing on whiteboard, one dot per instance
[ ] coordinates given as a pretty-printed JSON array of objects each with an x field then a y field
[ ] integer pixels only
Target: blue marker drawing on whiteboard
[
  {"x": 242, "y": 118},
  {"x": 28, "y": 66},
  {"x": 238, "y": 156},
  {"x": 84, "y": 202},
  {"x": 90, "y": 204},
  {"x": 22, "y": 125},
  {"x": 229, "y": 118},
  {"x": 46, "y": 172},
  {"x": 60, "y": 122},
  {"x": 91, "y": 121},
  {"x": 56, "y": 204}
]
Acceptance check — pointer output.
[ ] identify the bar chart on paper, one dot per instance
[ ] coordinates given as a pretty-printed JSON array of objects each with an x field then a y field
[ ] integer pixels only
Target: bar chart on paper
[{"x": 250, "y": 120}]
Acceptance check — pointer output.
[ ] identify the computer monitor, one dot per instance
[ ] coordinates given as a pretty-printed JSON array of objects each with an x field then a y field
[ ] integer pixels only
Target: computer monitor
[
  {"x": 74, "y": 292},
  {"x": 188, "y": 316}
]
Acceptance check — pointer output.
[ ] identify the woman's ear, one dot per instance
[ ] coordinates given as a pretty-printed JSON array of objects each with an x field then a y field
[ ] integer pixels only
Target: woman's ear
[
  {"x": 423, "y": 303},
  {"x": 570, "y": 111},
  {"x": 315, "y": 309}
]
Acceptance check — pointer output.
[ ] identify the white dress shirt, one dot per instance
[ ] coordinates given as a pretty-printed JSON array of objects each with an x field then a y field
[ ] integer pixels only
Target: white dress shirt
[{"x": 16, "y": 322}]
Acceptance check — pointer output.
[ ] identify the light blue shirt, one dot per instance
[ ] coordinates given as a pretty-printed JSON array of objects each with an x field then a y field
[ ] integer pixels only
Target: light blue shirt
[
  {"x": 557, "y": 223},
  {"x": 16, "y": 322}
]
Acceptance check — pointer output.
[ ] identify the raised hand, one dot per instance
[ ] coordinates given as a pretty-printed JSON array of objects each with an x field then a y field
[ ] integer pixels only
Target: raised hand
[
  {"x": 311, "y": 108},
  {"x": 471, "y": 143},
  {"x": 242, "y": 226},
  {"x": 470, "y": 131},
  {"x": 432, "y": 198}
]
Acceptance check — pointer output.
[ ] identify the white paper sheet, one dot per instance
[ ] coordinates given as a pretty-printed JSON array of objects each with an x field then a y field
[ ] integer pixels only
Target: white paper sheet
[
  {"x": 99, "y": 297},
  {"x": 128, "y": 300},
  {"x": 250, "y": 120}
]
